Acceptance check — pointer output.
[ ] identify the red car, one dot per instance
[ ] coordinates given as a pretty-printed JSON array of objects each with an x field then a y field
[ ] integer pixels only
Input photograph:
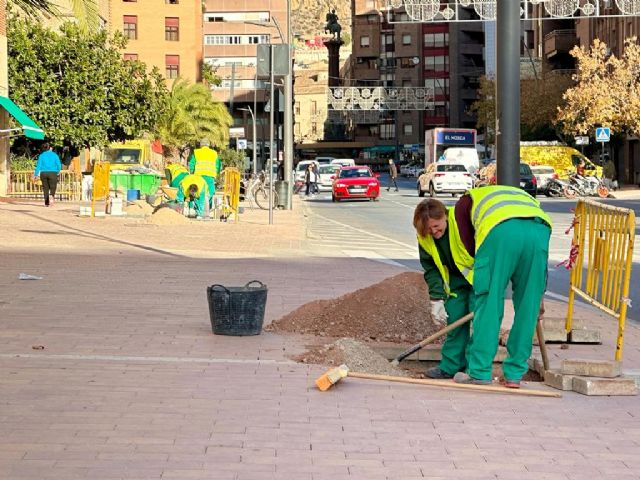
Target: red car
[{"x": 355, "y": 182}]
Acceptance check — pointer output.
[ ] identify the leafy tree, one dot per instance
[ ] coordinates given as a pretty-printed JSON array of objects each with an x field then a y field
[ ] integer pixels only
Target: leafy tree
[
  {"x": 232, "y": 158},
  {"x": 485, "y": 109},
  {"x": 607, "y": 90},
  {"x": 77, "y": 86},
  {"x": 192, "y": 114},
  {"x": 86, "y": 12}
]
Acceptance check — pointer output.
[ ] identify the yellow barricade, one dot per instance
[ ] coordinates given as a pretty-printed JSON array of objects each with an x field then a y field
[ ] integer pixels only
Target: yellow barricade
[
  {"x": 22, "y": 184},
  {"x": 231, "y": 192},
  {"x": 602, "y": 248},
  {"x": 100, "y": 184}
]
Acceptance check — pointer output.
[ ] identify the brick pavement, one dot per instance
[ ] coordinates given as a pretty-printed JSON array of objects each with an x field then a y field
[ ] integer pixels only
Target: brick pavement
[{"x": 132, "y": 384}]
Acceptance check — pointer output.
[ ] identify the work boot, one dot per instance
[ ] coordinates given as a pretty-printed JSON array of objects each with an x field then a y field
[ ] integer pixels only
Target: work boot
[
  {"x": 437, "y": 374},
  {"x": 510, "y": 383},
  {"x": 462, "y": 377}
]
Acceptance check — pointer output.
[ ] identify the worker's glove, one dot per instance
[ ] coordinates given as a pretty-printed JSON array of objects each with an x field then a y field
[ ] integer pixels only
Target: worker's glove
[{"x": 438, "y": 312}]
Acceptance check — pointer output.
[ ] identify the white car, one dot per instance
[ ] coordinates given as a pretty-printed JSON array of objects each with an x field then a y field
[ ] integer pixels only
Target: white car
[
  {"x": 324, "y": 160},
  {"x": 410, "y": 170},
  {"x": 344, "y": 162},
  {"x": 543, "y": 174},
  {"x": 442, "y": 177},
  {"x": 327, "y": 173}
]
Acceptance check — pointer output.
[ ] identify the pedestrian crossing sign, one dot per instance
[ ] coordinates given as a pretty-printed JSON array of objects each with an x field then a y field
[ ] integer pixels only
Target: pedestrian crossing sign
[{"x": 603, "y": 134}]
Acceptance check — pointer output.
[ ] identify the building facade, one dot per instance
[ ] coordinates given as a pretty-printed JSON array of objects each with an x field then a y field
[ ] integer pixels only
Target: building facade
[
  {"x": 310, "y": 107},
  {"x": 165, "y": 34},
  {"x": 445, "y": 57},
  {"x": 232, "y": 31}
]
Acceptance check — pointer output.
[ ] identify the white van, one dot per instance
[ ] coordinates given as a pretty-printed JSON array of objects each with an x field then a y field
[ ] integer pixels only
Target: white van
[
  {"x": 344, "y": 162},
  {"x": 324, "y": 160},
  {"x": 467, "y": 156}
]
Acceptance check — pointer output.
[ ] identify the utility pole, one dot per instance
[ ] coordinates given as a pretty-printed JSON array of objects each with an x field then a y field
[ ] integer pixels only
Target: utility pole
[
  {"x": 273, "y": 107},
  {"x": 288, "y": 115}
]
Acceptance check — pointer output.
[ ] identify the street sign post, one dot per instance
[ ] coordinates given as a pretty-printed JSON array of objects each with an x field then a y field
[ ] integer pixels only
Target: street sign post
[
  {"x": 242, "y": 143},
  {"x": 603, "y": 135},
  {"x": 582, "y": 140},
  {"x": 236, "y": 132}
]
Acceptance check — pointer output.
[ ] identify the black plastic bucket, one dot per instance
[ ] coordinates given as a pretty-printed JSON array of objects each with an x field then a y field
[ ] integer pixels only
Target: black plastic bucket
[{"x": 237, "y": 311}]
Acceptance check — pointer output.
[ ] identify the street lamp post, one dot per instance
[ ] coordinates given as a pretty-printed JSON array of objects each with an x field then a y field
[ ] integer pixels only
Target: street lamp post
[{"x": 255, "y": 138}]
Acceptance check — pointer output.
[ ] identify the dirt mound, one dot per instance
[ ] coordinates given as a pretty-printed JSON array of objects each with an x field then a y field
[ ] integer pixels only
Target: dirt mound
[
  {"x": 139, "y": 207},
  {"x": 167, "y": 216},
  {"x": 355, "y": 355},
  {"x": 394, "y": 310}
]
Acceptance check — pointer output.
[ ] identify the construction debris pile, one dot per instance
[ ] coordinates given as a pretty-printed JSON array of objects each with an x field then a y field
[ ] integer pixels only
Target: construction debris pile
[
  {"x": 356, "y": 355},
  {"x": 394, "y": 310}
]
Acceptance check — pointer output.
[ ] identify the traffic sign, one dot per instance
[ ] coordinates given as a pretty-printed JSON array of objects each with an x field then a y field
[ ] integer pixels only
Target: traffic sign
[
  {"x": 582, "y": 140},
  {"x": 242, "y": 144},
  {"x": 603, "y": 134},
  {"x": 236, "y": 132}
]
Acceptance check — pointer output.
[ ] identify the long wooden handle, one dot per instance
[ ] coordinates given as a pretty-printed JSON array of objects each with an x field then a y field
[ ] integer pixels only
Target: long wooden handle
[
  {"x": 432, "y": 338},
  {"x": 460, "y": 386},
  {"x": 542, "y": 345}
]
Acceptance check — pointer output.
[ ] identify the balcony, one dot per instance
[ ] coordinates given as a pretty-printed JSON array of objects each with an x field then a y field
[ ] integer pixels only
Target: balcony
[{"x": 559, "y": 42}]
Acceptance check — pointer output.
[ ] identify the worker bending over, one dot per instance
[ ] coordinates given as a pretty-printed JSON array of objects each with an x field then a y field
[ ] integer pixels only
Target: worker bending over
[
  {"x": 448, "y": 272},
  {"x": 204, "y": 161},
  {"x": 175, "y": 173},
  {"x": 194, "y": 190},
  {"x": 509, "y": 233}
]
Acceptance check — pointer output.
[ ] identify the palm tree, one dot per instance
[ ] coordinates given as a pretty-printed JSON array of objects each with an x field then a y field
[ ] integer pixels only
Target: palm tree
[
  {"x": 191, "y": 115},
  {"x": 86, "y": 12}
]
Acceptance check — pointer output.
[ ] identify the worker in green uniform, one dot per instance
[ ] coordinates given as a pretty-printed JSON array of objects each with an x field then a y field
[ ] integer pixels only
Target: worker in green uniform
[
  {"x": 193, "y": 189},
  {"x": 204, "y": 161},
  {"x": 448, "y": 273},
  {"x": 510, "y": 236},
  {"x": 175, "y": 172}
]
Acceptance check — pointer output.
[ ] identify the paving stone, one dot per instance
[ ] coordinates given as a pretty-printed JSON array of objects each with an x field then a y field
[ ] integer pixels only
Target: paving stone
[
  {"x": 555, "y": 379},
  {"x": 584, "y": 335},
  {"x": 605, "y": 386},
  {"x": 430, "y": 353},
  {"x": 591, "y": 368}
]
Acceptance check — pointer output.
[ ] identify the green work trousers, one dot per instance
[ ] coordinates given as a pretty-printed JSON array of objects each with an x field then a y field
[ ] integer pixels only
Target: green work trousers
[
  {"x": 515, "y": 250},
  {"x": 454, "y": 349},
  {"x": 211, "y": 185}
]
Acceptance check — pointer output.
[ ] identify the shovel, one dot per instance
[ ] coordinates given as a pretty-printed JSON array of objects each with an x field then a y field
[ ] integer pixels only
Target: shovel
[{"x": 432, "y": 338}]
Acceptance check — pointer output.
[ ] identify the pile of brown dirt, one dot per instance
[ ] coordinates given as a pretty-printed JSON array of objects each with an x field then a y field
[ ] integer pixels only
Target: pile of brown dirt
[
  {"x": 139, "y": 208},
  {"x": 394, "y": 310},
  {"x": 167, "y": 216},
  {"x": 355, "y": 355}
]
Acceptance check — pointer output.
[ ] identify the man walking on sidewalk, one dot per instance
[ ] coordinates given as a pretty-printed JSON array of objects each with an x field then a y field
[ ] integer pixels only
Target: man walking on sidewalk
[
  {"x": 509, "y": 233},
  {"x": 393, "y": 174}
]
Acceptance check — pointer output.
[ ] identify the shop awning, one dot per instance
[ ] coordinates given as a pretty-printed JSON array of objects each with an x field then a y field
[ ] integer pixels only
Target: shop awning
[{"x": 28, "y": 126}]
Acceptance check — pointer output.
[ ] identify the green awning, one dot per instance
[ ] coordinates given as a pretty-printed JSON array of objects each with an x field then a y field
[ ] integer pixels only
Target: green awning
[{"x": 28, "y": 126}]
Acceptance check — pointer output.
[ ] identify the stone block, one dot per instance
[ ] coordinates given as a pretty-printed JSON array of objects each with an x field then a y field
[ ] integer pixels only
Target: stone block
[
  {"x": 555, "y": 379},
  {"x": 536, "y": 365},
  {"x": 553, "y": 335},
  {"x": 592, "y": 368},
  {"x": 605, "y": 386},
  {"x": 584, "y": 335}
]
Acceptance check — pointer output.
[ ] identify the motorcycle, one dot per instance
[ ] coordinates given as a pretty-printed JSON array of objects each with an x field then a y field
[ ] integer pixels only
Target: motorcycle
[
  {"x": 585, "y": 187},
  {"x": 555, "y": 188}
]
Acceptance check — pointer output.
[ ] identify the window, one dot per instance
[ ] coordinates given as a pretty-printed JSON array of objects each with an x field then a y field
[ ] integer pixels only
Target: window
[
  {"x": 370, "y": 5},
  {"x": 171, "y": 29},
  {"x": 440, "y": 86},
  {"x": 409, "y": 62},
  {"x": 171, "y": 2},
  {"x": 439, "y": 63},
  {"x": 407, "y": 128},
  {"x": 365, "y": 41},
  {"x": 129, "y": 1},
  {"x": 172, "y": 63},
  {"x": 387, "y": 131},
  {"x": 236, "y": 39},
  {"x": 297, "y": 108},
  {"x": 406, "y": 82},
  {"x": 314, "y": 128},
  {"x": 436, "y": 39},
  {"x": 314, "y": 107},
  {"x": 130, "y": 56},
  {"x": 386, "y": 39},
  {"x": 406, "y": 39},
  {"x": 130, "y": 27},
  {"x": 239, "y": 17}
]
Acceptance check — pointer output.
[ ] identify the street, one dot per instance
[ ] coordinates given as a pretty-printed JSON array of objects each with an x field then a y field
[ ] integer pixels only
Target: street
[{"x": 383, "y": 231}]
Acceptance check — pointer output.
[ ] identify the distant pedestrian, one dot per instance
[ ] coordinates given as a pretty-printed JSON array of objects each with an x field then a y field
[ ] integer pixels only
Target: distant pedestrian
[
  {"x": 310, "y": 180},
  {"x": 393, "y": 174},
  {"x": 47, "y": 168},
  {"x": 316, "y": 178}
]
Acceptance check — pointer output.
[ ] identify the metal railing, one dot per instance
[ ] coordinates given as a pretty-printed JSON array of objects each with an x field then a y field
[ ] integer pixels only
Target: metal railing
[
  {"x": 602, "y": 256},
  {"x": 23, "y": 185}
]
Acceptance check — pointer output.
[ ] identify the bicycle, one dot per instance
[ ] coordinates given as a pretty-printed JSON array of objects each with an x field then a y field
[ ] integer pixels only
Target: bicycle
[{"x": 259, "y": 190}]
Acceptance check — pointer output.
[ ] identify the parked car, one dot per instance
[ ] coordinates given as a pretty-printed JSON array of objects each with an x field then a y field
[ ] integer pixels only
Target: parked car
[
  {"x": 528, "y": 181},
  {"x": 543, "y": 174},
  {"x": 327, "y": 174},
  {"x": 355, "y": 182},
  {"x": 410, "y": 170},
  {"x": 444, "y": 178},
  {"x": 324, "y": 160}
]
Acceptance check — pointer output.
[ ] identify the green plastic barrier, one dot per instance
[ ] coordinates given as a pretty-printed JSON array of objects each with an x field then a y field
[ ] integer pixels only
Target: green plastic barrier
[{"x": 147, "y": 183}]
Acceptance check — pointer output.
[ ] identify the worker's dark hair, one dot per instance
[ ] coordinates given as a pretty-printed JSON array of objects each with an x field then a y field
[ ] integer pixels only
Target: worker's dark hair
[
  {"x": 426, "y": 210},
  {"x": 193, "y": 189},
  {"x": 45, "y": 146}
]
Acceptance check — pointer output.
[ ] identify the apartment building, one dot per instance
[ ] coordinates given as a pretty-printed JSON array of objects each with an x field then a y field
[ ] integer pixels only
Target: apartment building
[
  {"x": 165, "y": 34},
  {"x": 447, "y": 57},
  {"x": 310, "y": 107},
  {"x": 232, "y": 31}
]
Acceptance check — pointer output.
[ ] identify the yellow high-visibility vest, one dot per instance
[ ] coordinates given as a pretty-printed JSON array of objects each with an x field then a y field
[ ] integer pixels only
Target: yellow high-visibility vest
[
  {"x": 196, "y": 180},
  {"x": 462, "y": 258},
  {"x": 206, "y": 162},
  {"x": 494, "y": 204}
]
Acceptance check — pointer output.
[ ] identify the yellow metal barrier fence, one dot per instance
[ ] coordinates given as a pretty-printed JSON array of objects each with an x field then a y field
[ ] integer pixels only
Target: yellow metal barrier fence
[
  {"x": 602, "y": 244},
  {"x": 100, "y": 184},
  {"x": 22, "y": 184},
  {"x": 231, "y": 193}
]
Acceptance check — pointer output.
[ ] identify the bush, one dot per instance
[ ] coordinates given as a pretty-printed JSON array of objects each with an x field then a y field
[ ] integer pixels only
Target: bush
[
  {"x": 233, "y": 158},
  {"x": 22, "y": 162}
]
